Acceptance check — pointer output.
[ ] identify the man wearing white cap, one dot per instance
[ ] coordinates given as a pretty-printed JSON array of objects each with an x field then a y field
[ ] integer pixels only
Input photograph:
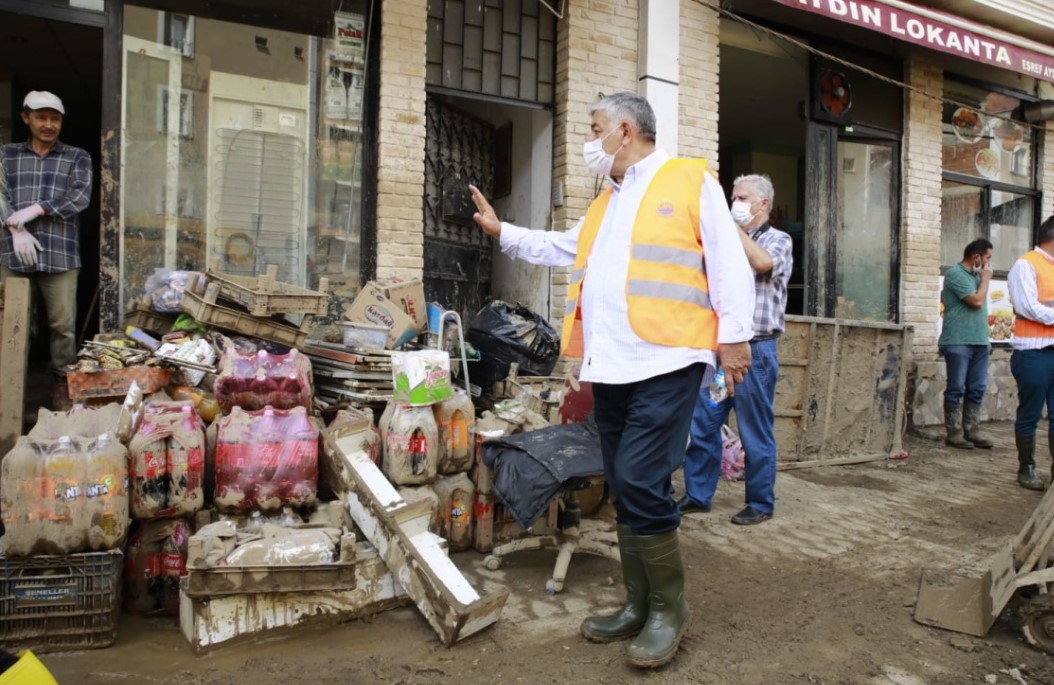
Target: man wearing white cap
[{"x": 49, "y": 185}]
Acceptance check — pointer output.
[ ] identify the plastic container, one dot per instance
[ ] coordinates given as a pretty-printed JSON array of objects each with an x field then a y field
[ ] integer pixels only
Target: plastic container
[
  {"x": 718, "y": 388},
  {"x": 261, "y": 379},
  {"x": 364, "y": 335},
  {"x": 265, "y": 460},
  {"x": 53, "y": 603},
  {"x": 411, "y": 445},
  {"x": 168, "y": 462},
  {"x": 64, "y": 496},
  {"x": 456, "y": 497},
  {"x": 456, "y": 422}
]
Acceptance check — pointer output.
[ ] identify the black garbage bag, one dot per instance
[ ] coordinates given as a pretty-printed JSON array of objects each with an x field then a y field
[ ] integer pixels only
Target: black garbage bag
[
  {"x": 505, "y": 333},
  {"x": 529, "y": 468}
]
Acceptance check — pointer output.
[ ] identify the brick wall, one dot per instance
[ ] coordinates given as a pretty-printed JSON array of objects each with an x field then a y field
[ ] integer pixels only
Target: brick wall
[
  {"x": 699, "y": 68},
  {"x": 401, "y": 140},
  {"x": 921, "y": 210},
  {"x": 596, "y": 52}
]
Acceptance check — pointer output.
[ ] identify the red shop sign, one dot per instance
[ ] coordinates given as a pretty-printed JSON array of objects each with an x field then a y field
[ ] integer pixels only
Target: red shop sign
[{"x": 935, "y": 30}]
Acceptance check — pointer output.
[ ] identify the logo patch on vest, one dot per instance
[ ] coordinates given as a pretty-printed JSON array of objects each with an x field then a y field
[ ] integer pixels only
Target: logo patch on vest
[{"x": 666, "y": 209}]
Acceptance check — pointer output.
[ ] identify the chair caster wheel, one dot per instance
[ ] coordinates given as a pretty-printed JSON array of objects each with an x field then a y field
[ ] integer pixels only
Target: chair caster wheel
[
  {"x": 492, "y": 563},
  {"x": 553, "y": 586}
]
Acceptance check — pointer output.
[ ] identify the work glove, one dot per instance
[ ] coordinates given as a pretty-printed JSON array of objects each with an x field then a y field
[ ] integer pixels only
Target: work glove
[
  {"x": 24, "y": 216},
  {"x": 26, "y": 246}
]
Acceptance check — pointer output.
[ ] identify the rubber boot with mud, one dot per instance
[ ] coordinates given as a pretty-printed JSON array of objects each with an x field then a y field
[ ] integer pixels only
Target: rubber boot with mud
[
  {"x": 627, "y": 621},
  {"x": 668, "y": 612},
  {"x": 972, "y": 426},
  {"x": 953, "y": 424},
  {"x": 1026, "y": 462}
]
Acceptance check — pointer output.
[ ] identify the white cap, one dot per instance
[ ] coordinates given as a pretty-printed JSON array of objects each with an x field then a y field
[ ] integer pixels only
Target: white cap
[{"x": 41, "y": 99}]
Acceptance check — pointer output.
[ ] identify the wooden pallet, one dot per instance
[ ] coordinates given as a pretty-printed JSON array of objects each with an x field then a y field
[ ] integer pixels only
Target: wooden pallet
[{"x": 266, "y": 296}]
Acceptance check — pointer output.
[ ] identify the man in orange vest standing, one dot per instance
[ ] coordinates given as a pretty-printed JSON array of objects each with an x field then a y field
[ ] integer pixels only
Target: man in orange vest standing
[
  {"x": 660, "y": 290},
  {"x": 1031, "y": 286}
]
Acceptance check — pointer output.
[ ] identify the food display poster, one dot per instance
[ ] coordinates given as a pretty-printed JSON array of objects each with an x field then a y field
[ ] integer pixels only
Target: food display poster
[
  {"x": 349, "y": 32},
  {"x": 1000, "y": 313}
]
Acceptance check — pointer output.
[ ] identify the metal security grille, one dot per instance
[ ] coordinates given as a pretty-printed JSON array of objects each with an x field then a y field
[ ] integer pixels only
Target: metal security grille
[
  {"x": 504, "y": 48},
  {"x": 457, "y": 253}
]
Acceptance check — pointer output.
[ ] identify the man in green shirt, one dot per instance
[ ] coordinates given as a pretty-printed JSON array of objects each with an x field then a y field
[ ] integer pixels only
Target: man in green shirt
[{"x": 964, "y": 344}]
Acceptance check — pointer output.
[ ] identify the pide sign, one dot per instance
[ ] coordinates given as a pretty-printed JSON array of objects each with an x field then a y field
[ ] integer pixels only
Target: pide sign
[{"x": 945, "y": 34}]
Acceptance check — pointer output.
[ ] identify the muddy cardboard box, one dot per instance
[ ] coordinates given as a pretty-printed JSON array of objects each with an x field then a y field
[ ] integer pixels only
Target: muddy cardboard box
[
  {"x": 408, "y": 294},
  {"x": 207, "y": 622},
  {"x": 372, "y": 306}
]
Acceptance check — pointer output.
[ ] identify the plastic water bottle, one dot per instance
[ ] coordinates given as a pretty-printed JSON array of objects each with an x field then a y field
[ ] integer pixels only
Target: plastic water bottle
[{"x": 718, "y": 388}]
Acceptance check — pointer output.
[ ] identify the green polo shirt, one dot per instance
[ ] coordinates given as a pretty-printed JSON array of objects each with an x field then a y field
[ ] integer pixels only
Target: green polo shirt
[{"x": 963, "y": 324}]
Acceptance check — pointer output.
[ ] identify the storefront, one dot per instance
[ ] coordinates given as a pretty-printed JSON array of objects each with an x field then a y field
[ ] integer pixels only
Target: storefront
[{"x": 233, "y": 136}]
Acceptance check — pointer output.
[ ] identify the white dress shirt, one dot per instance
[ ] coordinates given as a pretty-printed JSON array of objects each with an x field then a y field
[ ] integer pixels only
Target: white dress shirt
[
  {"x": 613, "y": 352},
  {"x": 1024, "y": 297}
]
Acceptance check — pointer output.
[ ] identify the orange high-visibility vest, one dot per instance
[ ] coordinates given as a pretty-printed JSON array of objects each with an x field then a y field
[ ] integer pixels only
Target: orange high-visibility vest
[
  {"x": 1026, "y": 328},
  {"x": 667, "y": 294}
]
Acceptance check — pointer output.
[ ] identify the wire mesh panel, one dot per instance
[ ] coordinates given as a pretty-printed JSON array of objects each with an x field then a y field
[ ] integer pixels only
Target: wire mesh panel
[
  {"x": 259, "y": 211},
  {"x": 457, "y": 253}
]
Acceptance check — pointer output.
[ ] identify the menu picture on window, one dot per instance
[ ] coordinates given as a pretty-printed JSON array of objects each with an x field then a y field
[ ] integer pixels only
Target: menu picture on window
[{"x": 1000, "y": 313}]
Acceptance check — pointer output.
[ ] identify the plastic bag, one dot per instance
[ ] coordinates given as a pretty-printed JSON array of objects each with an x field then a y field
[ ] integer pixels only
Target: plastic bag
[
  {"x": 504, "y": 334},
  {"x": 732, "y": 455},
  {"x": 165, "y": 289}
]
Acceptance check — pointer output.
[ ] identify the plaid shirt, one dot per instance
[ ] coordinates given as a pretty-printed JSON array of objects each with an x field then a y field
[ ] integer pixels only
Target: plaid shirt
[
  {"x": 61, "y": 183},
  {"x": 770, "y": 298}
]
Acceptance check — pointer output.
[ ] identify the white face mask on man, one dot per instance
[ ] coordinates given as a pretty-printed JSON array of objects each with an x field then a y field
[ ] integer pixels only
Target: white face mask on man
[
  {"x": 597, "y": 160},
  {"x": 741, "y": 213}
]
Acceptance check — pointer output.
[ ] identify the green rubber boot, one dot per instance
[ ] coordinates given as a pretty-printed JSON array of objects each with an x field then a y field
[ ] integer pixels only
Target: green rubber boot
[
  {"x": 1026, "y": 462},
  {"x": 953, "y": 424},
  {"x": 627, "y": 621},
  {"x": 972, "y": 426},
  {"x": 668, "y": 612}
]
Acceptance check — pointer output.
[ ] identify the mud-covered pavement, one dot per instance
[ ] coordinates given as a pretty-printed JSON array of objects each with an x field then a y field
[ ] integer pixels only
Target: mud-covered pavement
[{"x": 823, "y": 593}]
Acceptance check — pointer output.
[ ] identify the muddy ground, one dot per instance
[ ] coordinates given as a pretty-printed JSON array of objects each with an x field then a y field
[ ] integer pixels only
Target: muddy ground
[{"x": 823, "y": 593}]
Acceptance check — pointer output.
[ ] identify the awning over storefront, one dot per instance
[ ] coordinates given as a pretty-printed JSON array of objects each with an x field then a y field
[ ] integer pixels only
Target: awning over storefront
[{"x": 939, "y": 31}]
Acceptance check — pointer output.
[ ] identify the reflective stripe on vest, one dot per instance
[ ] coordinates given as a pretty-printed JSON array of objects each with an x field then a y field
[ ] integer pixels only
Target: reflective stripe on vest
[
  {"x": 1026, "y": 328},
  {"x": 668, "y": 297}
]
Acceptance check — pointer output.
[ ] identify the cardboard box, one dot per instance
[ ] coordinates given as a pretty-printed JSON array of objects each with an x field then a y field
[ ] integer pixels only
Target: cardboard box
[
  {"x": 410, "y": 295},
  {"x": 372, "y": 306}
]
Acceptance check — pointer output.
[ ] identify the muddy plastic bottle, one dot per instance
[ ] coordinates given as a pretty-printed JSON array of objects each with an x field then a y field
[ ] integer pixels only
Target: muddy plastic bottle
[
  {"x": 456, "y": 421},
  {"x": 411, "y": 446},
  {"x": 106, "y": 493},
  {"x": 456, "y": 497}
]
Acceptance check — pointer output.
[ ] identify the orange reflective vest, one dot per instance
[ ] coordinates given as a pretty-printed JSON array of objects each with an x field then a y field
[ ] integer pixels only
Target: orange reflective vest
[
  {"x": 667, "y": 294},
  {"x": 1026, "y": 328}
]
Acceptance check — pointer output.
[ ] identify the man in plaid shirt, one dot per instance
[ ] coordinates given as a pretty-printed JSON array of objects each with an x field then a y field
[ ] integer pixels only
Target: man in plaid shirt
[
  {"x": 769, "y": 253},
  {"x": 49, "y": 184}
]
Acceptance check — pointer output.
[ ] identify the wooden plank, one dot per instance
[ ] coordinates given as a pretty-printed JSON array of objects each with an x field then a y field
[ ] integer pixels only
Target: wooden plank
[
  {"x": 14, "y": 356},
  {"x": 844, "y": 461},
  {"x": 1037, "y": 522},
  {"x": 416, "y": 557},
  {"x": 967, "y": 601},
  {"x": 806, "y": 388},
  {"x": 832, "y": 375}
]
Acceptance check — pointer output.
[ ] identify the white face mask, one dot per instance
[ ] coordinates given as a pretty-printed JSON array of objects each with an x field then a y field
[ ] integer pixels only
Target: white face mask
[
  {"x": 597, "y": 161},
  {"x": 741, "y": 213}
]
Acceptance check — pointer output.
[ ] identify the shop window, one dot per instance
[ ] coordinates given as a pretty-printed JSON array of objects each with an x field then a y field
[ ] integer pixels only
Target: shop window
[
  {"x": 989, "y": 186},
  {"x": 236, "y": 158}
]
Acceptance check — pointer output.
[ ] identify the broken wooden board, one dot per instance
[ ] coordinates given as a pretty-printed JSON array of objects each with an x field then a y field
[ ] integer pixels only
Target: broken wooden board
[
  {"x": 399, "y": 531},
  {"x": 207, "y": 622},
  {"x": 970, "y": 600},
  {"x": 14, "y": 357}
]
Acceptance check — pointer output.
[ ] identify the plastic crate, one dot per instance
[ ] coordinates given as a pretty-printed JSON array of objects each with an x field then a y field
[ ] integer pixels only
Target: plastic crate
[{"x": 57, "y": 603}]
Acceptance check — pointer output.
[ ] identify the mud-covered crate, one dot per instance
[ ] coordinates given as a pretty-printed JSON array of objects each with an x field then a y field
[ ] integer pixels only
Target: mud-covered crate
[
  {"x": 149, "y": 320},
  {"x": 265, "y": 296},
  {"x": 57, "y": 603},
  {"x": 242, "y": 322},
  {"x": 115, "y": 382}
]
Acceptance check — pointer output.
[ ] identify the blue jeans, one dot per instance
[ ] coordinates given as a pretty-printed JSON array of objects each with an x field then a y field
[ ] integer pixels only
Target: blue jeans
[
  {"x": 1034, "y": 372},
  {"x": 755, "y": 413},
  {"x": 643, "y": 428},
  {"x": 967, "y": 367}
]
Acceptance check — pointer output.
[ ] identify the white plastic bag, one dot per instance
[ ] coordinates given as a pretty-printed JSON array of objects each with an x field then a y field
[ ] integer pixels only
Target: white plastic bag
[{"x": 732, "y": 455}]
